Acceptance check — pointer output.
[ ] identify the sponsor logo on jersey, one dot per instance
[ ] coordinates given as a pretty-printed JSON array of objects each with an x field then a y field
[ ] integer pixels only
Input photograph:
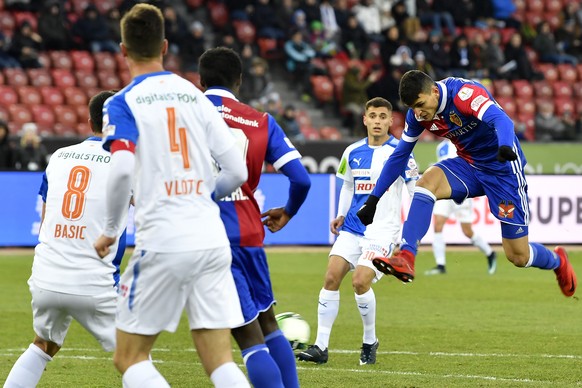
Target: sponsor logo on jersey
[
  {"x": 361, "y": 172},
  {"x": 455, "y": 119},
  {"x": 506, "y": 209},
  {"x": 519, "y": 230},
  {"x": 357, "y": 161},
  {"x": 433, "y": 127},
  {"x": 477, "y": 102},
  {"x": 465, "y": 93},
  {"x": 364, "y": 187}
]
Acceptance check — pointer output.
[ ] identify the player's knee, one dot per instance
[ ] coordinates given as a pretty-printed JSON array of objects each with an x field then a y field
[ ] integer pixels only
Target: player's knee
[
  {"x": 518, "y": 259},
  {"x": 360, "y": 284},
  {"x": 332, "y": 282}
]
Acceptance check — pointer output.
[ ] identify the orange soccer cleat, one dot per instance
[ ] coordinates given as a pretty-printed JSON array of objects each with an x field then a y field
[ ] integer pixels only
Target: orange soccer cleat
[
  {"x": 565, "y": 273},
  {"x": 400, "y": 265}
]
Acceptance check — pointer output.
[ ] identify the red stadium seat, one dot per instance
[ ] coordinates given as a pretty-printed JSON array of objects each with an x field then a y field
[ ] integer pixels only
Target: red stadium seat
[
  {"x": 338, "y": 88},
  {"x": 543, "y": 89},
  {"x": 105, "y": 61},
  {"x": 310, "y": 133},
  {"x": 80, "y": 5},
  {"x": 120, "y": 60},
  {"x": 15, "y": 77},
  {"x": 44, "y": 117},
  {"x": 528, "y": 121},
  {"x": 553, "y": 19},
  {"x": 322, "y": 87},
  {"x": 108, "y": 80},
  {"x": 61, "y": 60},
  {"x": 103, "y": 6},
  {"x": 567, "y": 73},
  {"x": 52, "y": 95},
  {"x": 523, "y": 88},
  {"x": 39, "y": 77},
  {"x": 82, "y": 60},
  {"x": 75, "y": 96},
  {"x": 82, "y": 113},
  {"x": 330, "y": 133},
  {"x": 45, "y": 60},
  {"x": 554, "y": 6},
  {"x": 19, "y": 114},
  {"x": 63, "y": 78},
  {"x": 83, "y": 129},
  {"x": 8, "y": 96},
  {"x": 7, "y": 23},
  {"x": 336, "y": 67},
  {"x": 303, "y": 118},
  {"x": 397, "y": 121},
  {"x": 562, "y": 105},
  {"x": 67, "y": 116},
  {"x": 549, "y": 70},
  {"x": 86, "y": 80},
  {"x": 29, "y": 95},
  {"x": 579, "y": 71},
  {"x": 269, "y": 48},
  {"x": 125, "y": 77},
  {"x": 508, "y": 104},
  {"x": 502, "y": 88},
  {"x": 562, "y": 89},
  {"x": 525, "y": 106},
  {"x": 218, "y": 13},
  {"x": 535, "y": 5},
  {"x": 577, "y": 89},
  {"x": 245, "y": 31}
]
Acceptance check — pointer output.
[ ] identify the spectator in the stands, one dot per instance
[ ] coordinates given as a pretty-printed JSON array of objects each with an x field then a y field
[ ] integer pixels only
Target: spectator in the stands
[
  {"x": 478, "y": 57},
  {"x": 496, "y": 58},
  {"x": 551, "y": 127},
  {"x": 321, "y": 41},
  {"x": 7, "y": 150},
  {"x": 7, "y": 60},
  {"x": 299, "y": 55},
  {"x": 227, "y": 39},
  {"x": 388, "y": 47},
  {"x": 386, "y": 19},
  {"x": 460, "y": 59},
  {"x": 264, "y": 18},
  {"x": 262, "y": 88},
  {"x": 354, "y": 40},
  {"x": 342, "y": 12},
  {"x": 400, "y": 15},
  {"x": 569, "y": 33},
  {"x": 329, "y": 21},
  {"x": 311, "y": 9},
  {"x": 420, "y": 63},
  {"x": 355, "y": 95},
  {"x": 548, "y": 50},
  {"x": 368, "y": 15},
  {"x": 402, "y": 59},
  {"x": 436, "y": 18},
  {"x": 176, "y": 29},
  {"x": 518, "y": 65},
  {"x": 113, "y": 18},
  {"x": 288, "y": 121},
  {"x": 32, "y": 154},
  {"x": 92, "y": 33},
  {"x": 299, "y": 23},
  {"x": 503, "y": 13},
  {"x": 54, "y": 27},
  {"x": 284, "y": 15},
  {"x": 192, "y": 47},
  {"x": 437, "y": 53},
  {"x": 26, "y": 46}
]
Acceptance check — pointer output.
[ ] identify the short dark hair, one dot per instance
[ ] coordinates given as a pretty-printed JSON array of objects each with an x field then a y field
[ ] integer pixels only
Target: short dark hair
[
  {"x": 378, "y": 102},
  {"x": 96, "y": 109},
  {"x": 413, "y": 83},
  {"x": 220, "y": 66},
  {"x": 142, "y": 32}
]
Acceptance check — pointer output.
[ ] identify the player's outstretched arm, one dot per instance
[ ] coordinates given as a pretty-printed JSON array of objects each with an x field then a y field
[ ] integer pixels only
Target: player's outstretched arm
[{"x": 299, "y": 185}]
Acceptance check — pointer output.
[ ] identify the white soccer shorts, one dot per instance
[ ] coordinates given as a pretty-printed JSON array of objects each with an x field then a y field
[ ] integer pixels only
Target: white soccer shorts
[
  {"x": 358, "y": 250},
  {"x": 156, "y": 287},
  {"x": 447, "y": 207},
  {"x": 52, "y": 313}
]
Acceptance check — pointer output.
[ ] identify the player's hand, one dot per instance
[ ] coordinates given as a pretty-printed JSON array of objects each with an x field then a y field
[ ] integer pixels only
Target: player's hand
[
  {"x": 368, "y": 209},
  {"x": 275, "y": 219},
  {"x": 336, "y": 224},
  {"x": 102, "y": 245},
  {"x": 505, "y": 153}
]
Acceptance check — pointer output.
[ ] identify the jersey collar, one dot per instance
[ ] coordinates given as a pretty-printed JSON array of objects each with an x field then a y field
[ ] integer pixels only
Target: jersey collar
[
  {"x": 443, "y": 95},
  {"x": 93, "y": 138},
  {"x": 220, "y": 92}
]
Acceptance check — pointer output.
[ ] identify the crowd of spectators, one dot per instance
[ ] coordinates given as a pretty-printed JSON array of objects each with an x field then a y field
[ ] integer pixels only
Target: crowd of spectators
[{"x": 479, "y": 39}]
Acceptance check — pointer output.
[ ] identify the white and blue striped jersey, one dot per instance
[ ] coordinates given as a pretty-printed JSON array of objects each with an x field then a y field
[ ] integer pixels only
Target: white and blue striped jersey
[{"x": 362, "y": 164}]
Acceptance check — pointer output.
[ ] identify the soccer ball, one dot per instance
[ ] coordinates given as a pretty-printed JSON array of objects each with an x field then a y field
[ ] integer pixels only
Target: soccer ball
[{"x": 295, "y": 328}]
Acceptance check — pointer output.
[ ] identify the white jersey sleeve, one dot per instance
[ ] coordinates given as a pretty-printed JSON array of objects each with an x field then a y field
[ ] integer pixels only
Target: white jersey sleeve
[{"x": 65, "y": 259}]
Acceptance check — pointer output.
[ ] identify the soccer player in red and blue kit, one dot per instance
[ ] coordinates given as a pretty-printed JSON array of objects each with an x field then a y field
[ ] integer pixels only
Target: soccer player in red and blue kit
[
  {"x": 266, "y": 352},
  {"x": 490, "y": 162}
]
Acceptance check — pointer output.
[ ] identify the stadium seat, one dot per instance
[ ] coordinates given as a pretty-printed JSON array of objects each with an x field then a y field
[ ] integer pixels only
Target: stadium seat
[
  {"x": 397, "y": 121},
  {"x": 310, "y": 133},
  {"x": 535, "y": 5},
  {"x": 39, "y": 77},
  {"x": 525, "y": 106},
  {"x": 103, "y": 6},
  {"x": 542, "y": 89},
  {"x": 120, "y": 61},
  {"x": 553, "y": 19},
  {"x": 533, "y": 18},
  {"x": 83, "y": 129},
  {"x": 329, "y": 133},
  {"x": 108, "y": 80},
  {"x": 7, "y": 23},
  {"x": 125, "y": 77},
  {"x": 303, "y": 118},
  {"x": 19, "y": 114},
  {"x": 8, "y": 96},
  {"x": 74, "y": 96},
  {"x": 528, "y": 121},
  {"x": 62, "y": 130},
  {"x": 218, "y": 14},
  {"x": 269, "y": 48},
  {"x": 61, "y": 60},
  {"x": 80, "y": 5},
  {"x": 577, "y": 89},
  {"x": 562, "y": 105},
  {"x": 522, "y": 88},
  {"x": 338, "y": 88},
  {"x": 45, "y": 59},
  {"x": 44, "y": 117},
  {"x": 322, "y": 87},
  {"x": 194, "y": 4},
  {"x": 336, "y": 67},
  {"x": 579, "y": 71},
  {"x": 172, "y": 62},
  {"x": 29, "y": 95},
  {"x": 549, "y": 70},
  {"x": 508, "y": 104},
  {"x": 52, "y": 95},
  {"x": 90, "y": 92},
  {"x": 15, "y": 77},
  {"x": 554, "y": 6},
  {"x": 502, "y": 88},
  {"x": 562, "y": 89},
  {"x": 86, "y": 80},
  {"x": 532, "y": 55},
  {"x": 193, "y": 77},
  {"x": 567, "y": 72},
  {"x": 245, "y": 31},
  {"x": 63, "y": 78},
  {"x": 82, "y": 113},
  {"x": 105, "y": 61},
  {"x": 67, "y": 116},
  {"x": 82, "y": 60}
]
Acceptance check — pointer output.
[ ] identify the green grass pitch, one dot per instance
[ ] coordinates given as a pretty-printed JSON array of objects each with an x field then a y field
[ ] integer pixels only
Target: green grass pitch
[{"x": 463, "y": 329}]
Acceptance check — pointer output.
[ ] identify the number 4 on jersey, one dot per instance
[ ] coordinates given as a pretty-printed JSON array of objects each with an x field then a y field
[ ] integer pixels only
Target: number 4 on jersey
[{"x": 182, "y": 145}]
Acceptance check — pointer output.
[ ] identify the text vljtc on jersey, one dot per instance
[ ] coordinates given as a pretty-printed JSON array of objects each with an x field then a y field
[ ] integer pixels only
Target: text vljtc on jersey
[{"x": 184, "y": 187}]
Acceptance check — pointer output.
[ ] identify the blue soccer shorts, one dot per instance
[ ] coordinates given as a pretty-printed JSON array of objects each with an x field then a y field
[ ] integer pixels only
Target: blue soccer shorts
[{"x": 506, "y": 193}]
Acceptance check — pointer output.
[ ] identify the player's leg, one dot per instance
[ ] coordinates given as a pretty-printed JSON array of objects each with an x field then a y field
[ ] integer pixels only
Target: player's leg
[
  {"x": 440, "y": 216},
  {"x": 50, "y": 323},
  {"x": 342, "y": 258},
  {"x": 431, "y": 186},
  {"x": 250, "y": 272}
]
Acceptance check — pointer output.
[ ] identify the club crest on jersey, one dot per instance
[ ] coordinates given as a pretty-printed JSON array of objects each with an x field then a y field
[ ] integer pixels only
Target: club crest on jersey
[
  {"x": 506, "y": 209},
  {"x": 455, "y": 119}
]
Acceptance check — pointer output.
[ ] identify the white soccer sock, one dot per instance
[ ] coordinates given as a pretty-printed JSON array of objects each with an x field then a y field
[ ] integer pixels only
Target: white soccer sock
[
  {"x": 143, "y": 375},
  {"x": 229, "y": 375},
  {"x": 438, "y": 249},
  {"x": 28, "y": 369},
  {"x": 327, "y": 310},
  {"x": 480, "y": 243},
  {"x": 367, "y": 306}
]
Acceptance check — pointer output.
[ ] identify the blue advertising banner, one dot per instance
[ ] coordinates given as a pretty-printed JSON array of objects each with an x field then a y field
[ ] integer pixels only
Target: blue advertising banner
[{"x": 21, "y": 209}]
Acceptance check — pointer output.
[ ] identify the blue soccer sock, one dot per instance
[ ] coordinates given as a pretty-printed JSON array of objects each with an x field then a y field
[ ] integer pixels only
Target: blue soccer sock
[
  {"x": 262, "y": 369},
  {"x": 542, "y": 257},
  {"x": 283, "y": 355},
  {"x": 418, "y": 220}
]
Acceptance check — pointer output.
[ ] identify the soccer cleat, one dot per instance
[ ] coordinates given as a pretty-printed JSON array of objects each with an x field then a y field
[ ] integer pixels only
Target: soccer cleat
[
  {"x": 368, "y": 353},
  {"x": 400, "y": 266},
  {"x": 438, "y": 270},
  {"x": 492, "y": 263},
  {"x": 565, "y": 273},
  {"x": 314, "y": 354}
]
